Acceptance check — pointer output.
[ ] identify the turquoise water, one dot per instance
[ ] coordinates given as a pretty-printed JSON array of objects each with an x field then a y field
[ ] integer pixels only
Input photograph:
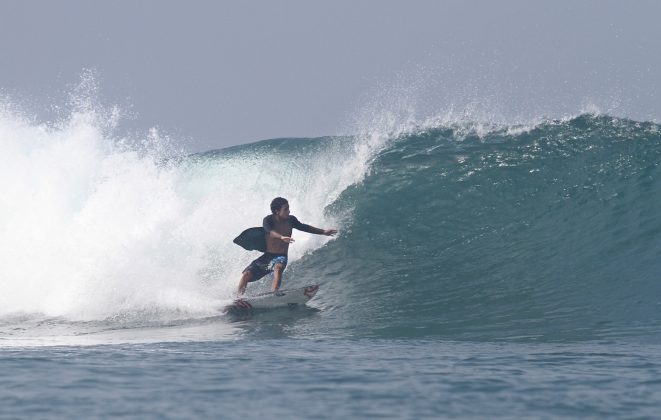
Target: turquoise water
[
  {"x": 551, "y": 234},
  {"x": 479, "y": 271}
]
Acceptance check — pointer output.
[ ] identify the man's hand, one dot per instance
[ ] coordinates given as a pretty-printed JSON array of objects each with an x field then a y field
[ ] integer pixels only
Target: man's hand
[
  {"x": 287, "y": 239},
  {"x": 330, "y": 232}
]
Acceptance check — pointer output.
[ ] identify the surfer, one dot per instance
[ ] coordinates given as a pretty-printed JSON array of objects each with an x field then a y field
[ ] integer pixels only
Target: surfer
[{"x": 278, "y": 228}]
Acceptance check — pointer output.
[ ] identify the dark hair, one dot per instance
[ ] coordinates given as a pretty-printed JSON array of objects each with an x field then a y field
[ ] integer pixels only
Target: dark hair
[{"x": 277, "y": 204}]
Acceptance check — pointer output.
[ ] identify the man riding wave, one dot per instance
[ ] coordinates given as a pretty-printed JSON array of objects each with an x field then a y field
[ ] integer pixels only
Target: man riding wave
[{"x": 278, "y": 228}]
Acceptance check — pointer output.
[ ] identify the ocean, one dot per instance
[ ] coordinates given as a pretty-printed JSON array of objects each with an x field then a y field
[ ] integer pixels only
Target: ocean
[{"x": 480, "y": 271}]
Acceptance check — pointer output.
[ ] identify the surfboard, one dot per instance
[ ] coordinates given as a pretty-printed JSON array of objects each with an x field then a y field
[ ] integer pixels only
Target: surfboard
[{"x": 280, "y": 299}]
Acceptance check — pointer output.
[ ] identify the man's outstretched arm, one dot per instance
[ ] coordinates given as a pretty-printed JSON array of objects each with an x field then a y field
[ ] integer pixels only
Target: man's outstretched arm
[{"x": 296, "y": 224}]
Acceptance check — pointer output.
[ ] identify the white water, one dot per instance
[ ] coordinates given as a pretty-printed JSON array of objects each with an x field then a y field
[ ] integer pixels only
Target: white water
[{"x": 95, "y": 227}]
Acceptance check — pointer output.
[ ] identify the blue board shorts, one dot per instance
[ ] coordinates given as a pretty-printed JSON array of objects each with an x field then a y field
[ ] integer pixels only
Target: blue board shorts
[{"x": 265, "y": 265}]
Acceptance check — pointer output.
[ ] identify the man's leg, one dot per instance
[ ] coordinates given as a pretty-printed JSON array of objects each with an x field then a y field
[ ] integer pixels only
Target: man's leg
[
  {"x": 277, "y": 275},
  {"x": 245, "y": 278}
]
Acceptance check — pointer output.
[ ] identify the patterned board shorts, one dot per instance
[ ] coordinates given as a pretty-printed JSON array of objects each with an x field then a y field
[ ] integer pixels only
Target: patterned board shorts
[{"x": 265, "y": 264}]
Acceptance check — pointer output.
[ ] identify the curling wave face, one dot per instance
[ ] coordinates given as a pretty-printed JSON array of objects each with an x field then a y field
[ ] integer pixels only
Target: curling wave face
[{"x": 549, "y": 232}]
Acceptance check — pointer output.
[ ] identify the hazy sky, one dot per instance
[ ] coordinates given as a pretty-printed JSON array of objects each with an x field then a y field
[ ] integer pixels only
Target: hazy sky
[{"x": 222, "y": 73}]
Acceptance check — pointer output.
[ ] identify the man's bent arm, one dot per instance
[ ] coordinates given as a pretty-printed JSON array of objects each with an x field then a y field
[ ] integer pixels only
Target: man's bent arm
[{"x": 267, "y": 224}]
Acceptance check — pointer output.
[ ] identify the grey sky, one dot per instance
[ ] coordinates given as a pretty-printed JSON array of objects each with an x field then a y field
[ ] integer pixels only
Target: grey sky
[{"x": 223, "y": 73}]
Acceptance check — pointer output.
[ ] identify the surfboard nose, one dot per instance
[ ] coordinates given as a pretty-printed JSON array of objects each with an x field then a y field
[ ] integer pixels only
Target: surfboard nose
[{"x": 310, "y": 291}]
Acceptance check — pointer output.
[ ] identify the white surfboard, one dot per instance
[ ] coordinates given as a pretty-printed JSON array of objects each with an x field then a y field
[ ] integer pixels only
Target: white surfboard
[{"x": 279, "y": 299}]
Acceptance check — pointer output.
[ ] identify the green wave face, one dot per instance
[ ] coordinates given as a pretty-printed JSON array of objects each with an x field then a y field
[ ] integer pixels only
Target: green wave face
[{"x": 550, "y": 233}]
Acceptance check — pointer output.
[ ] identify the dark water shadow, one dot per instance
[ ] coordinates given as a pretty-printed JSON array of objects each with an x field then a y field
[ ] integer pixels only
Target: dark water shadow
[{"x": 273, "y": 323}]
